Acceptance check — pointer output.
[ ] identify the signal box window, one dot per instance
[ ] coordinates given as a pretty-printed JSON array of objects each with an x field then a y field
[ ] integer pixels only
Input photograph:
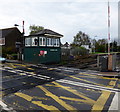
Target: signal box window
[
  {"x": 42, "y": 41},
  {"x": 28, "y": 42},
  {"x": 34, "y": 41}
]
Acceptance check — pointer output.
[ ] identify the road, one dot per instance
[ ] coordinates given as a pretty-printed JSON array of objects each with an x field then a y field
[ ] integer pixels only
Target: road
[{"x": 30, "y": 87}]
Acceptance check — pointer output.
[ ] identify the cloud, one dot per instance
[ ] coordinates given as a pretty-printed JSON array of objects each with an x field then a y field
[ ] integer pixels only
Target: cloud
[{"x": 65, "y": 17}]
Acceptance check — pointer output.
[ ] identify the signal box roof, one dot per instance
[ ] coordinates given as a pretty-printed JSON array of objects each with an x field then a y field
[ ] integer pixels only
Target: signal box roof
[{"x": 47, "y": 32}]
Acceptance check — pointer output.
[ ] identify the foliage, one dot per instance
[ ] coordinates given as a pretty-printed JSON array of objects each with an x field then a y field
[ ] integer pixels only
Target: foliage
[
  {"x": 118, "y": 48},
  {"x": 35, "y": 29},
  {"x": 114, "y": 46},
  {"x": 81, "y": 39},
  {"x": 14, "y": 56},
  {"x": 77, "y": 51},
  {"x": 6, "y": 51},
  {"x": 100, "y": 45}
]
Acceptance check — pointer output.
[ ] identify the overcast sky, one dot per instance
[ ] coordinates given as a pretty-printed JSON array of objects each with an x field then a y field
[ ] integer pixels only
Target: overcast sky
[{"x": 63, "y": 16}]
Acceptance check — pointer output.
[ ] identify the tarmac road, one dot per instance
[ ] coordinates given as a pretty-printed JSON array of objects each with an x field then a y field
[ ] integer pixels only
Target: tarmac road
[{"x": 29, "y": 87}]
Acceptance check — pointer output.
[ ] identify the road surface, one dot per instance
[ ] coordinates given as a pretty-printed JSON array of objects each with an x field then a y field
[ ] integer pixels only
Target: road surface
[{"x": 30, "y": 87}]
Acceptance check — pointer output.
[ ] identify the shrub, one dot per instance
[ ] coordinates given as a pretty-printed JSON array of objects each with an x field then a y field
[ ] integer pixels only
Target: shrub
[
  {"x": 79, "y": 51},
  {"x": 14, "y": 56}
]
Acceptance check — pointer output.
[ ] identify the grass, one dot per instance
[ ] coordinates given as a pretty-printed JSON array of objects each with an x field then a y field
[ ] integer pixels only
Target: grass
[{"x": 105, "y": 53}]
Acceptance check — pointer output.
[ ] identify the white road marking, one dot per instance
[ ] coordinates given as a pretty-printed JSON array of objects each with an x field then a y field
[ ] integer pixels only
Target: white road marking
[
  {"x": 115, "y": 102},
  {"x": 25, "y": 73},
  {"x": 88, "y": 85},
  {"x": 64, "y": 70},
  {"x": 5, "y": 107}
]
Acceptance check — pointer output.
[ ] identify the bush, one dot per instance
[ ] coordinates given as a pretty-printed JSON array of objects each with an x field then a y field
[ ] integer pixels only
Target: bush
[
  {"x": 14, "y": 56},
  {"x": 7, "y": 51},
  {"x": 79, "y": 51}
]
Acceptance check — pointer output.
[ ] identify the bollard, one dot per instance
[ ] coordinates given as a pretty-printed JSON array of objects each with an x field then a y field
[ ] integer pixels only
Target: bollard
[{"x": 111, "y": 62}]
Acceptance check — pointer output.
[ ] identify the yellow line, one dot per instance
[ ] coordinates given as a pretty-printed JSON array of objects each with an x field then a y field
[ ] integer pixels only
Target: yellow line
[
  {"x": 89, "y": 101},
  {"x": 50, "y": 69},
  {"x": 30, "y": 68},
  {"x": 39, "y": 103},
  {"x": 87, "y": 76},
  {"x": 75, "y": 99},
  {"x": 90, "y": 81},
  {"x": 25, "y": 66},
  {"x": 99, "y": 76},
  {"x": 112, "y": 83},
  {"x": 50, "y": 108},
  {"x": 24, "y": 96},
  {"x": 50, "y": 85},
  {"x": 118, "y": 85},
  {"x": 56, "y": 98},
  {"x": 99, "y": 105},
  {"x": 21, "y": 65},
  {"x": 11, "y": 65},
  {"x": 86, "y": 81}
]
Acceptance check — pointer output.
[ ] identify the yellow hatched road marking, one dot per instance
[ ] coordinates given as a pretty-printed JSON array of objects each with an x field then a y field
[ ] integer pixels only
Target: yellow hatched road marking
[
  {"x": 112, "y": 83},
  {"x": 75, "y": 99},
  {"x": 99, "y": 105},
  {"x": 50, "y": 108},
  {"x": 39, "y": 103},
  {"x": 91, "y": 81},
  {"x": 57, "y": 99},
  {"x": 89, "y": 101},
  {"x": 86, "y": 81},
  {"x": 24, "y": 96}
]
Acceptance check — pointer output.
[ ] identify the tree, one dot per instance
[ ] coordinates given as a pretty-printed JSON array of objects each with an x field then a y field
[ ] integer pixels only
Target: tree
[
  {"x": 101, "y": 45},
  {"x": 35, "y": 29},
  {"x": 113, "y": 46},
  {"x": 81, "y": 39}
]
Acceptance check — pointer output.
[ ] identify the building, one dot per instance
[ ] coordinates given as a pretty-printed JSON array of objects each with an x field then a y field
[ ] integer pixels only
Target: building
[
  {"x": 10, "y": 38},
  {"x": 43, "y": 47},
  {"x": 87, "y": 47}
]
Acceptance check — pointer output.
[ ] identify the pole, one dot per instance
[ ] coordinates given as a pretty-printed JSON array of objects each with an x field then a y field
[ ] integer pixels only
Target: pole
[
  {"x": 23, "y": 32},
  {"x": 108, "y": 28},
  {"x": 23, "y": 28},
  {"x": 23, "y": 42}
]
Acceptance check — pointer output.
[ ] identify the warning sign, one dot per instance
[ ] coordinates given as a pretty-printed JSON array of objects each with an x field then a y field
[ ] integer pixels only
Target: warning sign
[{"x": 2, "y": 41}]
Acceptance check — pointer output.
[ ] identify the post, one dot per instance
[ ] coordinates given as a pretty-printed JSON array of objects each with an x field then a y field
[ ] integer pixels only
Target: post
[
  {"x": 23, "y": 42},
  {"x": 98, "y": 61},
  {"x": 108, "y": 29},
  {"x": 23, "y": 33}
]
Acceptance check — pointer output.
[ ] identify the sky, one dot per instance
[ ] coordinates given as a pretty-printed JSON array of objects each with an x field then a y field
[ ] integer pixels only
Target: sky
[{"x": 66, "y": 17}]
